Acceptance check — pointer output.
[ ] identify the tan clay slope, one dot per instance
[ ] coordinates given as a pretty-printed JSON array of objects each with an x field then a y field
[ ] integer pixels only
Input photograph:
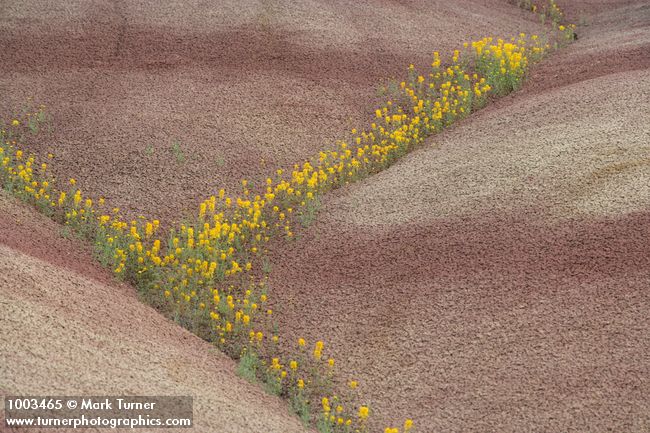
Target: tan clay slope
[
  {"x": 71, "y": 333},
  {"x": 244, "y": 86},
  {"x": 498, "y": 279}
]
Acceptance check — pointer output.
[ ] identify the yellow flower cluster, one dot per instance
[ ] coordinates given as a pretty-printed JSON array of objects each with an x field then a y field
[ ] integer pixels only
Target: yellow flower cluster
[
  {"x": 504, "y": 64},
  {"x": 197, "y": 277}
]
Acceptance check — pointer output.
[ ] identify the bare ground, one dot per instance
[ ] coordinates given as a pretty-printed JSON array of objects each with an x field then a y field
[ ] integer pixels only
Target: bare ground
[
  {"x": 67, "y": 329},
  {"x": 245, "y": 87},
  {"x": 497, "y": 279}
]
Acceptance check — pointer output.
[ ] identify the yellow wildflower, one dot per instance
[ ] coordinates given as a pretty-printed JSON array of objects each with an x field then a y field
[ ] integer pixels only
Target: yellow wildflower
[{"x": 363, "y": 413}]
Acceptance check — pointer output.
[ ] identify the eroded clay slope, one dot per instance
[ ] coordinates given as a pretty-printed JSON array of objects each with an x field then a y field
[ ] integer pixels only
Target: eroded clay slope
[
  {"x": 497, "y": 279},
  {"x": 67, "y": 329},
  {"x": 244, "y": 87}
]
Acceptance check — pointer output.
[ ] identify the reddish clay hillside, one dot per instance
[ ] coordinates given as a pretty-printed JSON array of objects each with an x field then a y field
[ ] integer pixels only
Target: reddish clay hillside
[
  {"x": 497, "y": 279},
  {"x": 243, "y": 88}
]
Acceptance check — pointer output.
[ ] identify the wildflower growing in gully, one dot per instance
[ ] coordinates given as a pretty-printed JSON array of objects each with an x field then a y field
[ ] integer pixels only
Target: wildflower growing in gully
[{"x": 208, "y": 273}]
